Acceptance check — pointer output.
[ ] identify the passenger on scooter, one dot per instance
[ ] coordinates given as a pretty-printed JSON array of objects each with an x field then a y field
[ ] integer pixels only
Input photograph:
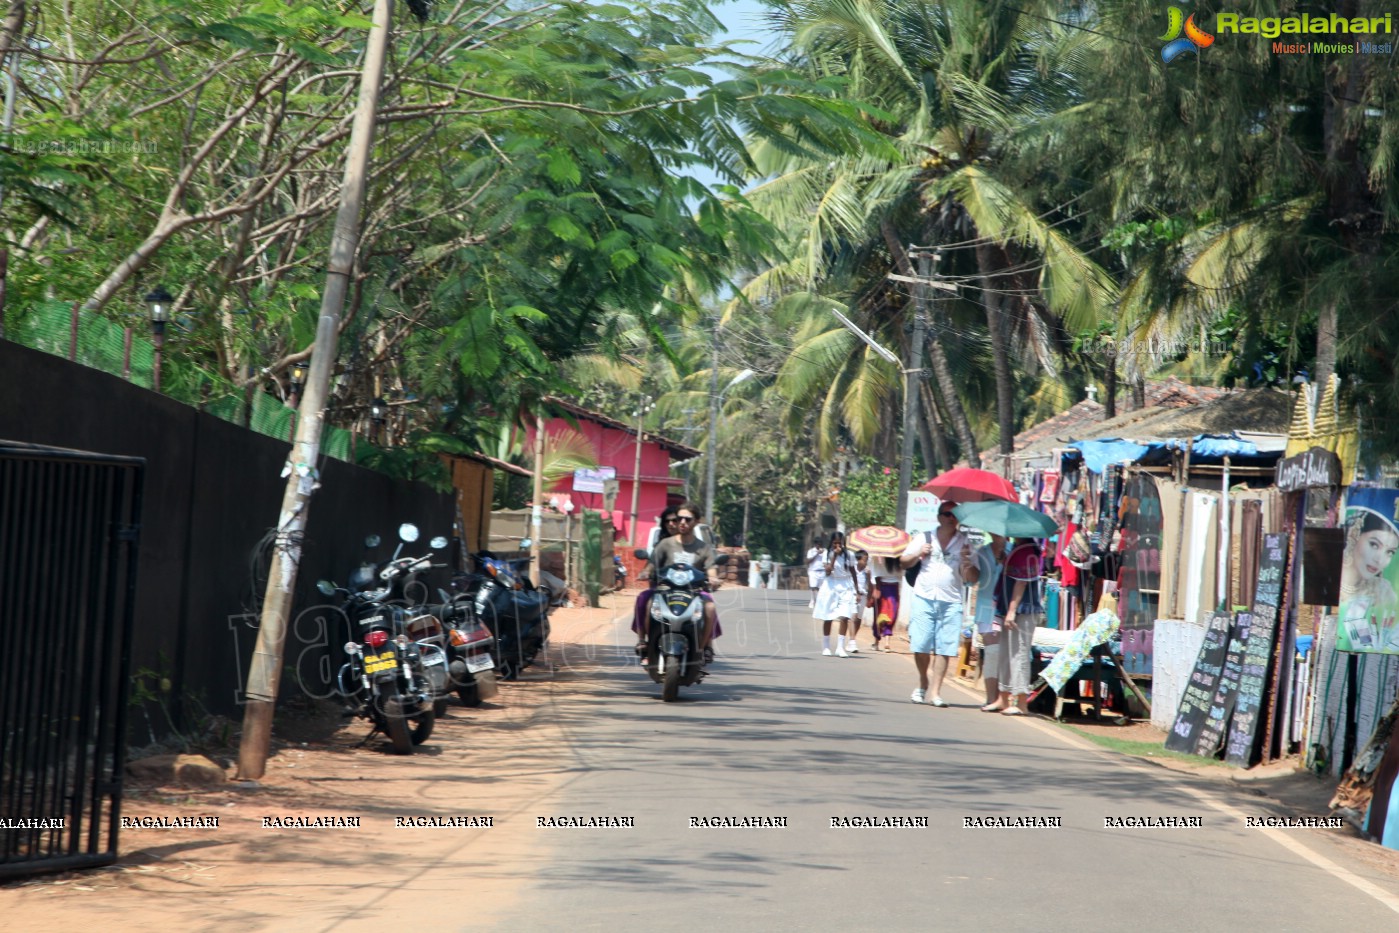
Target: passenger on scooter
[{"x": 685, "y": 545}]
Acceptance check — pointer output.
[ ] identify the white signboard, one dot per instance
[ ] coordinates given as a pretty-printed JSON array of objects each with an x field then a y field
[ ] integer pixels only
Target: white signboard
[
  {"x": 922, "y": 512},
  {"x": 586, "y": 480}
]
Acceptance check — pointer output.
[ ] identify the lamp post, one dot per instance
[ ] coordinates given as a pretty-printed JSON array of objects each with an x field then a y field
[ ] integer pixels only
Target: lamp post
[
  {"x": 715, "y": 401},
  {"x": 640, "y": 414},
  {"x": 297, "y": 379},
  {"x": 378, "y": 416},
  {"x": 158, "y": 310}
]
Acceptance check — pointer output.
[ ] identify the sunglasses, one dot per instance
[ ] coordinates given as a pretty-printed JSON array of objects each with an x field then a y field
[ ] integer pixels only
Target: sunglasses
[
  {"x": 686, "y": 518},
  {"x": 946, "y": 515},
  {"x": 672, "y": 520}
]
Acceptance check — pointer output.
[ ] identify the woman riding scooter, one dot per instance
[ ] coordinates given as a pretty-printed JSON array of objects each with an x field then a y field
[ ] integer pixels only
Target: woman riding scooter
[{"x": 683, "y": 544}]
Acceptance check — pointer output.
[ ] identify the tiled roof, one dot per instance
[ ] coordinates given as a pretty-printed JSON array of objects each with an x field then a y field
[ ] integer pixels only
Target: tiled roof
[{"x": 680, "y": 450}]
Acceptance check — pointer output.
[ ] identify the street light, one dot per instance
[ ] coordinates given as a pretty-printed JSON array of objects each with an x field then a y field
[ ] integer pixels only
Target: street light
[
  {"x": 158, "y": 310},
  {"x": 715, "y": 401},
  {"x": 378, "y": 416}
]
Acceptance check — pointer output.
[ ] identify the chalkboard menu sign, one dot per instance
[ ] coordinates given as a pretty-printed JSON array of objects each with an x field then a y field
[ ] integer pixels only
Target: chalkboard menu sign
[
  {"x": 1204, "y": 681},
  {"x": 1210, "y": 738},
  {"x": 1241, "y": 747}
]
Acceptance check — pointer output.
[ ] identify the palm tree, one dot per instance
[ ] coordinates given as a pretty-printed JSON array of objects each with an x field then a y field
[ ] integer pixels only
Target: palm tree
[{"x": 954, "y": 86}]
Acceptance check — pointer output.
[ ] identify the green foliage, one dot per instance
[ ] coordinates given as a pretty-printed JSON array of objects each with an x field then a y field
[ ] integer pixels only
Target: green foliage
[{"x": 869, "y": 497}]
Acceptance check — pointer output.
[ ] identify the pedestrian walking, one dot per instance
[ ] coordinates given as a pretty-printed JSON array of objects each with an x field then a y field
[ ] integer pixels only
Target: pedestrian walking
[
  {"x": 884, "y": 598},
  {"x": 1018, "y": 600},
  {"x": 836, "y": 601},
  {"x": 862, "y": 589},
  {"x": 815, "y": 568},
  {"x": 982, "y": 567},
  {"x": 935, "y": 614}
]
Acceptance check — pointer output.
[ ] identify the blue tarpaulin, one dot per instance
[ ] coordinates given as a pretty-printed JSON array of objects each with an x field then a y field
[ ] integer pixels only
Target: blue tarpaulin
[{"x": 1099, "y": 455}]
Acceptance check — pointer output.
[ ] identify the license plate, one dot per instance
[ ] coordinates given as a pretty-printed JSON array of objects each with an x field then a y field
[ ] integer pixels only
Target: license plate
[
  {"x": 373, "y": 664},
  {"x": 479, "y": 662},
  {"x": 430, "y": 659}
]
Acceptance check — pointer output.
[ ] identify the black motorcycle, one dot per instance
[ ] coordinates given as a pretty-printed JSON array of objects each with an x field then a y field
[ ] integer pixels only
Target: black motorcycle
[
  {"x": 384, "y": 679},
  {"x": 470, "y": 664},
  {"x": 516, "y": 612}
]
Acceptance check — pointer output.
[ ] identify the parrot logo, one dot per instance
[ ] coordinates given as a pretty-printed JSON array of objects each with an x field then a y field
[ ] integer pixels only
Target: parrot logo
[{"x": 1176, "y": 45}]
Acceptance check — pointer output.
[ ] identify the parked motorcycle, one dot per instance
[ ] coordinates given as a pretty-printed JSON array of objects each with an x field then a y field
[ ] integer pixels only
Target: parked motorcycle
[
  {"x": 517, "y": 613},
  {"x": 385, "y": 678},
  {"x": 470, "y": 665},
  {"x": 619, "y": 572},
  {"x": 675, "y": 622}
]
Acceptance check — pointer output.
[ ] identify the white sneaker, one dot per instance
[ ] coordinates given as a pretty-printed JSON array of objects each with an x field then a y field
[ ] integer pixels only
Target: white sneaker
[
  {"x": 918, "y": 695},
  {"x": 852, "y": 647},
  {"x": 826, "y": 652},
  {"x": 842, "y": 653}
]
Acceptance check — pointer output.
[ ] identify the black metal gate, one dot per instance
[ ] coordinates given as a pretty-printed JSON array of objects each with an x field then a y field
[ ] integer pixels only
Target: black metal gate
[{"x": 68, "y": 534}]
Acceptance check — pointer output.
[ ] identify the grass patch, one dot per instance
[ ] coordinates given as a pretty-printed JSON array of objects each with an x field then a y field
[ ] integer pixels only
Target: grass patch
[{"x": 1139, "y": 749}]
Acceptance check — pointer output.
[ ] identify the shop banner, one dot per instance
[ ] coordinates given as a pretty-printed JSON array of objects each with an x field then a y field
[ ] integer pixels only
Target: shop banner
[{"x": 1369, "y": 609}]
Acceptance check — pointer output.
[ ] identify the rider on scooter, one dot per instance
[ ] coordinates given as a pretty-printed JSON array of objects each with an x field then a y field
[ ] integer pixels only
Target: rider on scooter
[{"x": 686, "y": 545}]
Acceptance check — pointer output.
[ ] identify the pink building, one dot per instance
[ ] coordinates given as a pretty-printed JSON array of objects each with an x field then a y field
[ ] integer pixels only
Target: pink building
[{"x": 614, "y": 442}]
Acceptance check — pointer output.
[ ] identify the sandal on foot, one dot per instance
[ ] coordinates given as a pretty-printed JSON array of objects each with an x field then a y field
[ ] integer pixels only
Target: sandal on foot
[
  {"x": 992, "y": 708},
  {"x": 1012, "y": 711}
]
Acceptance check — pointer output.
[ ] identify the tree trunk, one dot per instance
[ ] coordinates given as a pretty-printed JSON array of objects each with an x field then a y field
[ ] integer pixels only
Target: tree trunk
[
  {"x": 1327, "y": 323},
  {"x": 1110, "y": 383},
  {"x": 1000, "y": 350},
  {"x": 947, "y": 388},
  {"x": 935, "y": 450}
]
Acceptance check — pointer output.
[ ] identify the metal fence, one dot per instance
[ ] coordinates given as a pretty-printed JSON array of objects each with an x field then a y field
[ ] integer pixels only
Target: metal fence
[{"x": 68, "y": 536}]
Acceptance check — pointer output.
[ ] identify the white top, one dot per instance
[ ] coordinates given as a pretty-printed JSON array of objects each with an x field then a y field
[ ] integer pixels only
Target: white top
[
  {"x": 940, "y": 573},
  {"x": 862, "y": 581},
  {"x": 816, "y": 566}
]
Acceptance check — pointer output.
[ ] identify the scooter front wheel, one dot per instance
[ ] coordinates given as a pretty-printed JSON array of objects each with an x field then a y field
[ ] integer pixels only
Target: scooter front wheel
[{"x": 670, "y": 687}]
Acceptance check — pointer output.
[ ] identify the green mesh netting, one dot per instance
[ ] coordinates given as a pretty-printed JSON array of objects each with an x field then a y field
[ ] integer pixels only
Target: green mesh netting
[{"x": 102, "y": 344}]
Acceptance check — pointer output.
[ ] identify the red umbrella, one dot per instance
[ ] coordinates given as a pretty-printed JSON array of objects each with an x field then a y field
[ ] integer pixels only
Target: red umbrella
[
  {"x": 880, "y": 540},
  {"x": 966, "y": 484}
]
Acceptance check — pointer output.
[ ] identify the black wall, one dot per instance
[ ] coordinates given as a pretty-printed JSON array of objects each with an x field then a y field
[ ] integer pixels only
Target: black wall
[{"x": 213, "y": 490}]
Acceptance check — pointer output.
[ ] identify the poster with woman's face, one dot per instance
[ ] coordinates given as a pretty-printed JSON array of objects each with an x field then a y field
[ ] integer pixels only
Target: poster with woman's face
[{"x": 1369, "y": 605}]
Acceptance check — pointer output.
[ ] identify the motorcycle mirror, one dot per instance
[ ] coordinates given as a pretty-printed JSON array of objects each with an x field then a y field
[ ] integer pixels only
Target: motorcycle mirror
[
  {"x": 525, "y": 543},
  {"x": 641, "y": 554},
  {"x": 371, "y": 541},
  {"x": 325, "y": 587},
  {"x": 408, "y": 532},
  {"x": 438, "y": 543}
]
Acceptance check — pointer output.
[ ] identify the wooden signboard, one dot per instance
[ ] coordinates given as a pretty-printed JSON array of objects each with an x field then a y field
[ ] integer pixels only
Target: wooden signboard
[
  {"x": 1210, "y": 738},
  {"x": 1204, "y": 681},
  {"x": 1241, "y": 749}
]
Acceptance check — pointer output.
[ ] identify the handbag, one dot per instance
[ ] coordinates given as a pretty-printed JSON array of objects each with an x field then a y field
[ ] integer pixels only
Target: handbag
[{"x": 911, "y": 574}]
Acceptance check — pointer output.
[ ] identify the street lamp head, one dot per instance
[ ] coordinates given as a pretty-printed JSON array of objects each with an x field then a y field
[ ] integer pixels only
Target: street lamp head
[
  {"x": 298, "y": 376},
  {"x": 378, "y": 411},
  {"x": 741, "y": 377},
  {"x": 158, "y": 305}
]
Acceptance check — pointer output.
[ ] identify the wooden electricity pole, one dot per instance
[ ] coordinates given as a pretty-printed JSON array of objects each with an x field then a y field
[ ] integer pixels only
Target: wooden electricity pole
[{"x": 264, "y": 674}]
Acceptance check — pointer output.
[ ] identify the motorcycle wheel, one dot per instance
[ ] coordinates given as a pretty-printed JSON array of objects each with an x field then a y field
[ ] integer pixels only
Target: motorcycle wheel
[
  {"x": 439, "y": 706},
  {"x": 670, "y": 687},
  {"x": 396, "y": 725},
  {"x": 422, "y": 727}
]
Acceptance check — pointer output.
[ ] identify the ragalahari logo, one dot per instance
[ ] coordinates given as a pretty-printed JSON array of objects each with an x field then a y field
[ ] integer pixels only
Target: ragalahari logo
[{"x": 1177, "y": 45}]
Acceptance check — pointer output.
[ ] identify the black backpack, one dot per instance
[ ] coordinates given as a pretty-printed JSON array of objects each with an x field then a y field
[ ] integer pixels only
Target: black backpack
[{"x": 911, "y": 574}]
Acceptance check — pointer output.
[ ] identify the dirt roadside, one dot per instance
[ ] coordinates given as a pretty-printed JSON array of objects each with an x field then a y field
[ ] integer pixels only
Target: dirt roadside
[
  {"x": 499, "y": 760},
  {"x": 504, "y": 760}
]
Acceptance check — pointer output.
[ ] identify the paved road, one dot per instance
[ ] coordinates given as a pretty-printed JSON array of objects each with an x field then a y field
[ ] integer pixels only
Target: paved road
[{"x": 780, "y": 731}]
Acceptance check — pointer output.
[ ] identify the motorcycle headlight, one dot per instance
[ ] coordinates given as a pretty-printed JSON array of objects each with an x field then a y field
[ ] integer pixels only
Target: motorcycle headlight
[
  {"x": 656, "y": 609},
  {"x": 678, "y": 576}
]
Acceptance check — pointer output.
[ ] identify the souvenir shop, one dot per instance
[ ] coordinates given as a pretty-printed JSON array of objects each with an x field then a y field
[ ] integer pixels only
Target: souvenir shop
[{"x": 1145, "y": 519}]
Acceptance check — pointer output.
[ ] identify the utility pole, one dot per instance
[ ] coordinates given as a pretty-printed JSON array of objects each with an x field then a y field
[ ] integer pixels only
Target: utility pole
[
  {"x": 536, "y": 515},
  {"x": 264, "y": 673},
  {"x": 641, "y": 409},
  {"x": 713, "y": 445},
  {"x": 927, "y": 268}
]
